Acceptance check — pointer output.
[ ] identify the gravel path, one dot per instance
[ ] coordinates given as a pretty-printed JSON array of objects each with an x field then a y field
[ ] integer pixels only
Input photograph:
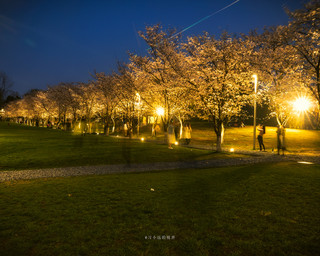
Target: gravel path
[{"x": 147, "y": 167}]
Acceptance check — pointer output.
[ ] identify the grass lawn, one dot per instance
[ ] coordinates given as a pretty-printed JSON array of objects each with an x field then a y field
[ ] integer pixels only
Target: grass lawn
[
  {"x": 297, "y": 140},
  {"x": 270, "y": 209},
  {"x": 24, "y": 147}
]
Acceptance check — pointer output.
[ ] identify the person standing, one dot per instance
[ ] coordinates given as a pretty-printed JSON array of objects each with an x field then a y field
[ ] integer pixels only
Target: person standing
[
  {"x": 155, "y": 130},
  {"x": 125, "y": 129},
  {"x": 171, "y": 135},
  {"x": 281, "y": 139},
  {"x": 262, "y": 131},
  {"x": 188, "y": 131},
  {"x": 176, "y": 130}
]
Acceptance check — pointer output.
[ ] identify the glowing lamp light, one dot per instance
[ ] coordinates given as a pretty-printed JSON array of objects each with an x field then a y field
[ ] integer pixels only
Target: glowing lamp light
[
  {"x": 301, "y": 104},
  {"x": 176, "y": 143},
  {"x": 160, "y": 111},
  {"x": 142, "y": 139},
  {"x": 231, "y": 150},
  {"x": 302, "y": 162}
]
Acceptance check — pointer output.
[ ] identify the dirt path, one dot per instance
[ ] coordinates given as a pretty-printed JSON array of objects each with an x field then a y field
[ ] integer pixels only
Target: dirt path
[{"x": 253, "y": 158}]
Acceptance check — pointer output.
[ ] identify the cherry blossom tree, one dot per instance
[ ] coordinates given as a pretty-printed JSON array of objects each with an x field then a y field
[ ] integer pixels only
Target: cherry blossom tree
[
  {"x": 164, "y": 86},
  {"x": 303, "y": 34},
  {"x": 109, "y": 93},
  {"x": 219, "y": 77},
  {"x": 276, "y": 66},
  {"x": 88, "y": 98}
]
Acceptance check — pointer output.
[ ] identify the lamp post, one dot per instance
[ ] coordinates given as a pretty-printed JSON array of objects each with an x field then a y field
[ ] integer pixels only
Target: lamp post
[
  {"x": 138, "y": 127},
  {"x": 255, "y": 111}
]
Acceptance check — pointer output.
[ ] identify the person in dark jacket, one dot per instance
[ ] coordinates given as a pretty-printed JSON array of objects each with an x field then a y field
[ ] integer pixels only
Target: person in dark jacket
[{"x": 262, "y": 131}]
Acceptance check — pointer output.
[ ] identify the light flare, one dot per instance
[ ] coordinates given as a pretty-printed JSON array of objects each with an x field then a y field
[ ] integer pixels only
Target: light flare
[
  {"x": 301, "y": 104},
  {"x": 160, "y": 111}
]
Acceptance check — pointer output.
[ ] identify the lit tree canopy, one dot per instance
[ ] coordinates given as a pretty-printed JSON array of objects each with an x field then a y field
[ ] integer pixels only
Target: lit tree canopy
[
  {"x": 303, "y": 34},
  {"x": 219, "y": 77}
]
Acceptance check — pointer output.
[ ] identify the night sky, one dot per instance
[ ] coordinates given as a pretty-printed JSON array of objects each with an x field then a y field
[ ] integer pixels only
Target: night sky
[{"x": 45, "y": 42}]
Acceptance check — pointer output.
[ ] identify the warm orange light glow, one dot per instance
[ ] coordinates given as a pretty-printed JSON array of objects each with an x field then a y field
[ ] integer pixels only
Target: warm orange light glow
[
  {"x": 176, "y": 143},
  {"x": 255, "y": 82},
  {"x": 231, "y": 149},
  {"x": 142, "y": 139},
  {"x": 138, "y": 96},
  {"x": 160, "y": 111},
  {"x": 301, "y": 104},
  {"x": 302, "y": 162}
]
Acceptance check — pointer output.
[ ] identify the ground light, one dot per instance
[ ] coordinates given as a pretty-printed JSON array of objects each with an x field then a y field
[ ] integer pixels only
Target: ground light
[
  {"x": 142, "y": 139},
  {"x": 176, "y": 143},
  {"x": 302, "y": 162},
  {"x": 231, "y": 150}
]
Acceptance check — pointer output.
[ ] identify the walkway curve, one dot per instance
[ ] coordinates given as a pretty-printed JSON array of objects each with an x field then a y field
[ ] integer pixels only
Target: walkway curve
[{"x": 148, "y": 167}]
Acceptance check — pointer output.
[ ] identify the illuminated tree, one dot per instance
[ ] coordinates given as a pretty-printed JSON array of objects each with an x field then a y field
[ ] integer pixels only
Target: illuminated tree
[
  {"x": 219, "y": 78},
  {"x": 13, "y": 109},
  {"x": 58, "y": 96},
  {"x": 276, "y": 66},
  {"x": 72, "y": 101},
  {"x": 32, "y": 106},
  {"x": 45, "y": 104},
  {"x": 126, "y": 96},
  {"x": 303, "y": 34},
  {"x": 109, "y": 92},
  {"x": 164, "y": 87},
  {"x": 88, "y": 98}
]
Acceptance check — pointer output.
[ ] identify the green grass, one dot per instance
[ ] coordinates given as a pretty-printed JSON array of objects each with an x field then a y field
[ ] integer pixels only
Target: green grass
[
  {"x": 297, "y": 140},
  {"x": 24, "y": 147},
  {"x": 270, "y": 209}
]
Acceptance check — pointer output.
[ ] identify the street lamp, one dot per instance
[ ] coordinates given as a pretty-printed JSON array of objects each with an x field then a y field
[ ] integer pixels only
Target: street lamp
[
  {"x": 139, "y": 106},
  {"x": 301, "y": 105},
  {"x": 160, "y": 111},
  {"x": 255, "y": 111}
]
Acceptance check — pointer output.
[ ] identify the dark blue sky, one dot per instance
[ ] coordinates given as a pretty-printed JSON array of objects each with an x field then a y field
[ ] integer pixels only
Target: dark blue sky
[{"x": 45, "y": 42}]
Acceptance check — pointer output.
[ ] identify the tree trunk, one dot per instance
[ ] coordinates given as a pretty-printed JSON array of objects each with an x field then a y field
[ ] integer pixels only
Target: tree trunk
[
  {"x": 220, "y": 136},
  {"x": 181, "y": 126},
  {"x": 114, "y": 125},
  {"x": 106, "y": 128}
]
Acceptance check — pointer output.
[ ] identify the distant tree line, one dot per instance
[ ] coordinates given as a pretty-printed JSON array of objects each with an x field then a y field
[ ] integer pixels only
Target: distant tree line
[
  {"x": 6, "y": 94},
  {"x": 203, "y": 76}
]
